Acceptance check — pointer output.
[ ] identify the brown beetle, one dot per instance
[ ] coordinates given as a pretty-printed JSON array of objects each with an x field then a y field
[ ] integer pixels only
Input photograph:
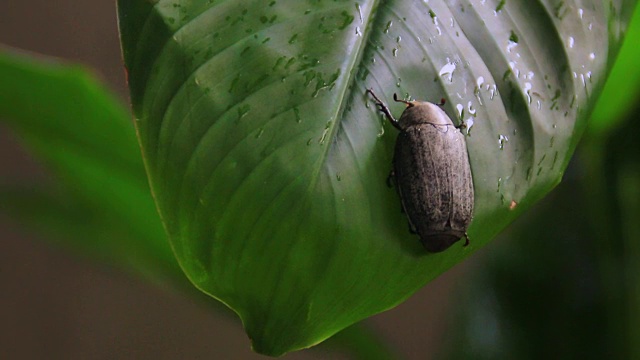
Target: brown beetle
[{"x": 432, "y": 174}]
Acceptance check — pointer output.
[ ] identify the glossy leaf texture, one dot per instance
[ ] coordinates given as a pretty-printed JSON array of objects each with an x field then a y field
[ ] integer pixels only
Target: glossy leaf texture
[{"x": 268, "y": 161}]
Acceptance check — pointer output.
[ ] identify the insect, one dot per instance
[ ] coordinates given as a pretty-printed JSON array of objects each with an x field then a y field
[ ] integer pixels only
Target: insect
[{"x": 431, "y": 172}]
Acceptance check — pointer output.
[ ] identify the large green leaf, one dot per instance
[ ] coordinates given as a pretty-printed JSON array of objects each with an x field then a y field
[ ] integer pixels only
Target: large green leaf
[{"x": 268, "y": 162}]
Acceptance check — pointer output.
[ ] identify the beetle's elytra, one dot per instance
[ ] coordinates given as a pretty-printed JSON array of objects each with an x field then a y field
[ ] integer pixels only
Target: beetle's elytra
[{"x": 432, "y": 174}]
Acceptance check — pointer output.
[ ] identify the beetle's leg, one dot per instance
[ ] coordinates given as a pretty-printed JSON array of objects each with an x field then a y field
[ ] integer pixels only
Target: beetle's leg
[
  {"x": 461, "y": 126},
  {"x": 384, "y": 109},
  {"x": 391, "y": 179},
  {"x": 412, "y": 229},
  {"x": 466, "y": 243}
]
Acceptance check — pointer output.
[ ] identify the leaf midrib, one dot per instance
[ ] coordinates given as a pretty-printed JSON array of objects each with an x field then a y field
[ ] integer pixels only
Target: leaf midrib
[{"x": 371, "y": 22}]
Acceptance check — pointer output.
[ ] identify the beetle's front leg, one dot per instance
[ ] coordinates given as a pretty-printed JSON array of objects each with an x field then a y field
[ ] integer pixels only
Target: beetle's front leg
[{"x": 384, "y": 109}]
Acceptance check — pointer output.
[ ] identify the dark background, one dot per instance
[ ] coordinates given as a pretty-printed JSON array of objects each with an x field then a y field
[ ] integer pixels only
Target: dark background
[{"x": 55, "y": 305}]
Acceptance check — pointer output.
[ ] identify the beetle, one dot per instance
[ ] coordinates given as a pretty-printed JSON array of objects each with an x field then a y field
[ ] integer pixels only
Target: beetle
[{"x": 431, "y": 173}]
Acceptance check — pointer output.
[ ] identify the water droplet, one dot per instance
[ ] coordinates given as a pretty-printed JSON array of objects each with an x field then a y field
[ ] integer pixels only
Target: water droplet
[
  {"x": 542, "y": 159},
  {"x": 296, "y": 112},
  {"x": 394, "y": 52},
  {"x": 359, "y": 10},
  {"x": 571, "y": 42},
  {"x": 293, "y": 38},
  {"x": 309, "y": 75},
  {"x": 472, "y": 110},
  {"x": 469, "y": 124},
  {"x": 460, "y": 109},
  {"x": 580, "y": 13},
  {"x": 290, "y": 62},
  {"x": 527, "y": 90},
  {"x": 243, "y": 110},
  {"x": 448, "y": 69},
  {"x": 259, "y": 134},
  {"x": 506, "y": 74},
  {"x": 323, "y": 137},
  {"x": 502, "y": 139},
  {"x": 592, "y": 56},
  {"x": 513, "y": 37},
  {"x": 388, "y": 27},
  {"x": 381, "y": 133},
  {"x": 234, "y": 82},
  {"x": 493, "y": 91},
  {"x": 480, "y": 81},
  {"x": 348, "y": 19}
]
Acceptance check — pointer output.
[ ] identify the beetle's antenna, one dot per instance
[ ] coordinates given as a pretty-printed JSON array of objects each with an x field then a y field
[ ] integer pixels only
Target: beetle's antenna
[{"x": 395, "y": 98}]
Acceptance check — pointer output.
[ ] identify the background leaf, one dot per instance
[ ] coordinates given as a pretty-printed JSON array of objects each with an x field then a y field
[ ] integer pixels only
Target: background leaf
[
  {"x": 269, "y": 164},
  {"x": 81, "y": 132}
]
